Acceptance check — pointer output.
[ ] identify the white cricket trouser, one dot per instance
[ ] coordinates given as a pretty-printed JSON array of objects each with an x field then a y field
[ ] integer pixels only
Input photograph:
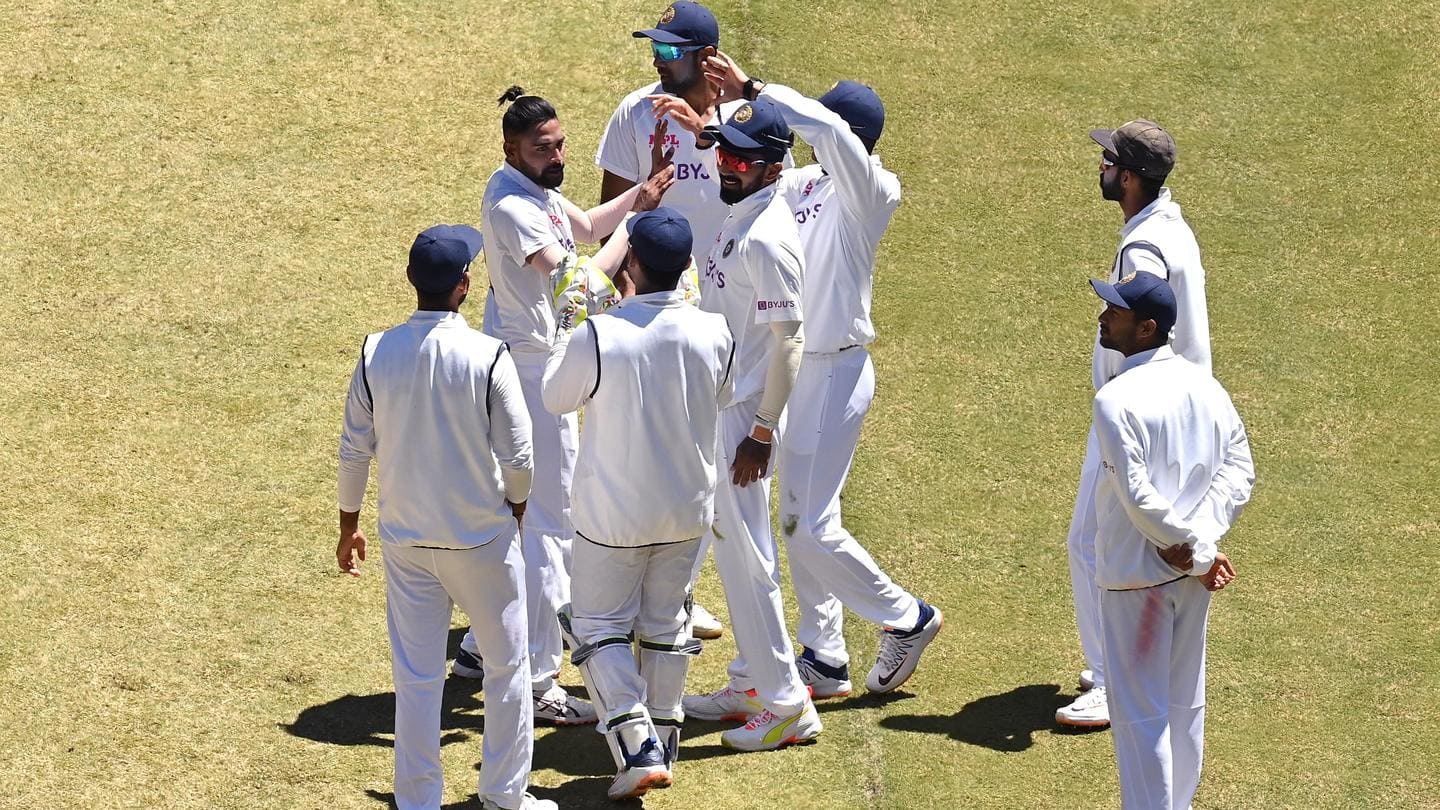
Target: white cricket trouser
[
  {"x": 1081, "y": 543},
  {"x": 645, "y": 590},
  {"x": 828, "y": 566},
  {"x": 545, "y": 532},
  {"x": 1155, "y": 654},
  {"x": 486, "y": 582},
  {"x": 746, "y": 557}
]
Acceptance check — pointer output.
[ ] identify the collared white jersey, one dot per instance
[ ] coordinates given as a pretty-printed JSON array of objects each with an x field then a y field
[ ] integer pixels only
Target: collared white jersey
[
  {"x": 842, "y": 207},
  {"x": 1157, "y": 240},
  {"x": 652, "y": 373},
  {"x": 753, "y": 277},
  {"x": 1176, "y": 468},
  {"x": 625, "y": 152},
  {"x": 439, "y": 406},
  {"x": 519, "y": 219}
]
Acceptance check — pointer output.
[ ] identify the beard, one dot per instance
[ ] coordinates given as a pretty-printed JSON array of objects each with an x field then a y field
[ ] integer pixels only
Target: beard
[
  {"x": 551, "y": 177},
  {"x": 1111, "y": 191},
  {"x": 734, "y": 194},
  {"x": 678, "y": 86}
]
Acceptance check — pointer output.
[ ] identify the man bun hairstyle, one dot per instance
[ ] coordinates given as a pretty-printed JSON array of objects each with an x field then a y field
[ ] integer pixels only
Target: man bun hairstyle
[{"x": 525, "y": 112}]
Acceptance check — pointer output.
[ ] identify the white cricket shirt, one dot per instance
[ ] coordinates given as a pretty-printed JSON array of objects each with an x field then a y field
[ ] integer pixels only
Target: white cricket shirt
[
  {"x": 439, "y": 406},
  {"x": 753, "y": 277},
  {"x": 625, "y": 152},
  {"x": 842, "y": 207},
  {"x": 1160, "y": 227},
  {"x": 518, "y": 219},
  {"x": 1176, "y": 468},
  {"x": 652, "y": 373}
]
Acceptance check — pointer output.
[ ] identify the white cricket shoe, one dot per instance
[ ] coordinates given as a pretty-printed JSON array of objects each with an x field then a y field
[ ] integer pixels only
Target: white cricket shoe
[
  {"x": 1090, "y": 710},
  {"x": 643, "y": 771},
  {"x": 725, "y": 704},
  {"x": 1087, "y": 680},
  {"x": 558, "y": 707},
  {"x": 900, "y": 652},
  {"x": 824, "y": 680},
  {"x": 468, "y": 665},
  {"x": 527, "y": 802},
  {"x": 703, "y": 624},
  {"x": 768, "y": 731}
]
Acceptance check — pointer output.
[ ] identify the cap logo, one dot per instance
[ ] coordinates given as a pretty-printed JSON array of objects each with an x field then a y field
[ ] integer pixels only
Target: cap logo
[
  {"x": 1128, "y": 279},
  {"x": 729, "y": 246},
  {"x": 668, "y": 15},
  {"x": 744, "y": 114}
]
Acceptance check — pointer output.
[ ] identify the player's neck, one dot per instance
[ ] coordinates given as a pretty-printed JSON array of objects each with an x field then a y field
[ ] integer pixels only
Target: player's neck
[{"x": 701, "y": 97}]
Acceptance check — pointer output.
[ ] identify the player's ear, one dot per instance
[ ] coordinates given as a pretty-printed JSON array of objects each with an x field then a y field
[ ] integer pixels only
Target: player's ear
[
  {"x": 772, "y": 171},
  {"x": 464, "y": 284},
  {"x": 509, "y": 148}
]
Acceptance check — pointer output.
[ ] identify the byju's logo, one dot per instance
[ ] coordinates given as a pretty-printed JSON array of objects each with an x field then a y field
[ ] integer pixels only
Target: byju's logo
[{"x": 764, "y": 306}]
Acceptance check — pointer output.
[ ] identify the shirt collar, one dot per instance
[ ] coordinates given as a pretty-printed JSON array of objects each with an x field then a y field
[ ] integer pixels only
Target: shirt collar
[
  {"x": 529, "y": 186},
  {"x": 660, "y": 299},
  {"x": 1160, "y": 201},
  {"x": 1151, "y": 356},
  {"x": 754, "y": 202},
  {"x": 433, "y": 316}
]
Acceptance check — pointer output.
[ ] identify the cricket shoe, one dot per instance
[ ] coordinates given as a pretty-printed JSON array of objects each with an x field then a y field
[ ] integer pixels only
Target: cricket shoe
[
  {"x": 768, "y": 731},
  {"x": 823, "y": 680},
  {"x": 557, "y": 706},
  {"x": 704, "y": 625},
  {"x": 1087, "y": 680},
  {"x": 527, "y": 802},
  {"x": 1090, "y": 710},
  {"x": 467, "y": 665},
  {"x": 725, "y": 704},
  {"x": 644, "y": 771},
  {"x": 900, "y": 652}
]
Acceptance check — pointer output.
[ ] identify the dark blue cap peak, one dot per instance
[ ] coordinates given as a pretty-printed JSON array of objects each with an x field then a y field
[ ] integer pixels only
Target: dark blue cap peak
[
  {"x": 661, "y": 240},
  {"x": 860, "y": 107},
  {"x": 440, "y": 256},
  {"x": 1147, "y": 294},
  {"x": 757, "y": 126},
  {"x": 685, "y": 23}
]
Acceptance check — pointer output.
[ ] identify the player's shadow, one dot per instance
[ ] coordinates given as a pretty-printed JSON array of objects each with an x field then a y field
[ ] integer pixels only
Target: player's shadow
[{"x": 1005, "y": 722}]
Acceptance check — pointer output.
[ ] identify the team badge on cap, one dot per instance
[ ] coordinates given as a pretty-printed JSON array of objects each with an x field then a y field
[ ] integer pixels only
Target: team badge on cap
[
  {"x": 743, "y": 114},
  {"x": 1128, "y": 279},
  {"x": 729, "y": 246},
  {"x": 668, "y": 15}
]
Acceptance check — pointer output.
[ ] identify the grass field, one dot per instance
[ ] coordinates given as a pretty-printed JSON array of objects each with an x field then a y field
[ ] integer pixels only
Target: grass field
[{"x": 206, "y": 206}]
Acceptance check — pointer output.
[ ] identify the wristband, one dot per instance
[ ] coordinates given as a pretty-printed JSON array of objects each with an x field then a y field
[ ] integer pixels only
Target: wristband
[{"x": 748, "y": 90}]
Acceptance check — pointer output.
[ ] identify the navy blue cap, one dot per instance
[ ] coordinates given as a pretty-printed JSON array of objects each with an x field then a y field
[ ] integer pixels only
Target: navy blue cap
[
  {"x": 440, "y": 256},
  {"x": 1147, "y": 294},
  {"x": 685, "y": 23},
  {"x": 758, "y": 126},
  {"x": 859, "y": 106},
  {"x": 661, "y": 240}
]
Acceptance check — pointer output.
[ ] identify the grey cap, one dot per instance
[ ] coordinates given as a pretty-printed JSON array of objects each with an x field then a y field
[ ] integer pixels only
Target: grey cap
[{"x": 1142, "y": 146}]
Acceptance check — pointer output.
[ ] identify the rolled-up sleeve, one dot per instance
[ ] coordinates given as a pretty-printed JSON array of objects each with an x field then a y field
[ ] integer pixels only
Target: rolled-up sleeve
[{"x": 510, "y": 429}]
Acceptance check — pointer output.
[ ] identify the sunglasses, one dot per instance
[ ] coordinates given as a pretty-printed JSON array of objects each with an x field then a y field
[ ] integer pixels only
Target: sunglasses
[
  {"x": 734, "y": 162},
  {"x": 669, "y": 53},
  {"x": 1108, "y": 161}
]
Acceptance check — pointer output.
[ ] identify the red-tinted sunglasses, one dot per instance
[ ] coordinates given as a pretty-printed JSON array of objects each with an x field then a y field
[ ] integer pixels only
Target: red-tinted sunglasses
[{"x": 734, "y": 162}]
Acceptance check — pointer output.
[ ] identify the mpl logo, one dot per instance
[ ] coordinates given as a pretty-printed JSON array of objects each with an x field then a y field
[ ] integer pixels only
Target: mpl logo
[
  {"x": 764, "y": 306},
  {"x": 671, "y": 139}
]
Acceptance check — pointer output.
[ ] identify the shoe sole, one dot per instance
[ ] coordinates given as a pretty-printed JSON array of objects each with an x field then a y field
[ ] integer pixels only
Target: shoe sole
[
  {"x": 564, "y": 723},
  {"x": 893, "y": 685},
  {"x": 707, "y": 635},
  {"x": 839, "y": 693},
  {"x": 655, "y": 781},
  {"x": 460, "y": 671},
  {"x": 785, "y": 743},
  {"x": 1082, "y": 723}
]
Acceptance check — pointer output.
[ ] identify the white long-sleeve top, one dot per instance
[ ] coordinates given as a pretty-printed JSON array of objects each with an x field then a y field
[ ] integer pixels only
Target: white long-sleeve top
[
  {"x": 1157, "y": 240},
  {"x": 652, "y": 373},
  {"x": 439, "y": 406},
  {"x": 1176, "y": 469},
  {"x": 842, "y": 207}
]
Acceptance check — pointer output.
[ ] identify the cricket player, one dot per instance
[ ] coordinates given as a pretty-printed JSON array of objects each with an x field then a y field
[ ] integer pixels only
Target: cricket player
[
  {"x": 1134, "y": 163},
  {"x": 531, "y": 232},
  {"x": 753, "y": 277},
  {"x": 842, "y": 207},
  {"x": 439, "y": 406},
  {"x": 1175, "y": 472},
  {"x": 680, "y": 41},
  {"x": 652, "y": 374}
]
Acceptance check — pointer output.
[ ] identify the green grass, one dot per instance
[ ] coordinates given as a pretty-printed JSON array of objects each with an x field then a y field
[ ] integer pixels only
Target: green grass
[{"x": 207, "y": 206}]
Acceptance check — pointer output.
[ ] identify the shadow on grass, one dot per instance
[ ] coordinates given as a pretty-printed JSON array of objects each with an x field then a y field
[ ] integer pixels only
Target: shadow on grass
[
  {"x": 577, "y": 793},
  {"x": 1004, "y": 722}
]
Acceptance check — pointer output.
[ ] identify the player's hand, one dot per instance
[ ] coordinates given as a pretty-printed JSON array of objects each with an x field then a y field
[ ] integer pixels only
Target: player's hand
[
  {"x": 653, "y": 189},
  {"x": 518, "y": 510},
  {"x": 680, "y": 112},
  {"x": 1180, "y": 556},
  {"x": 1221, "y": 573},
  {"x": 352, "y": 545},
  {"x": 661, "y": 152},
  {"x": 752, "y": 459},
  {"x": 726, "y": 76}
]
